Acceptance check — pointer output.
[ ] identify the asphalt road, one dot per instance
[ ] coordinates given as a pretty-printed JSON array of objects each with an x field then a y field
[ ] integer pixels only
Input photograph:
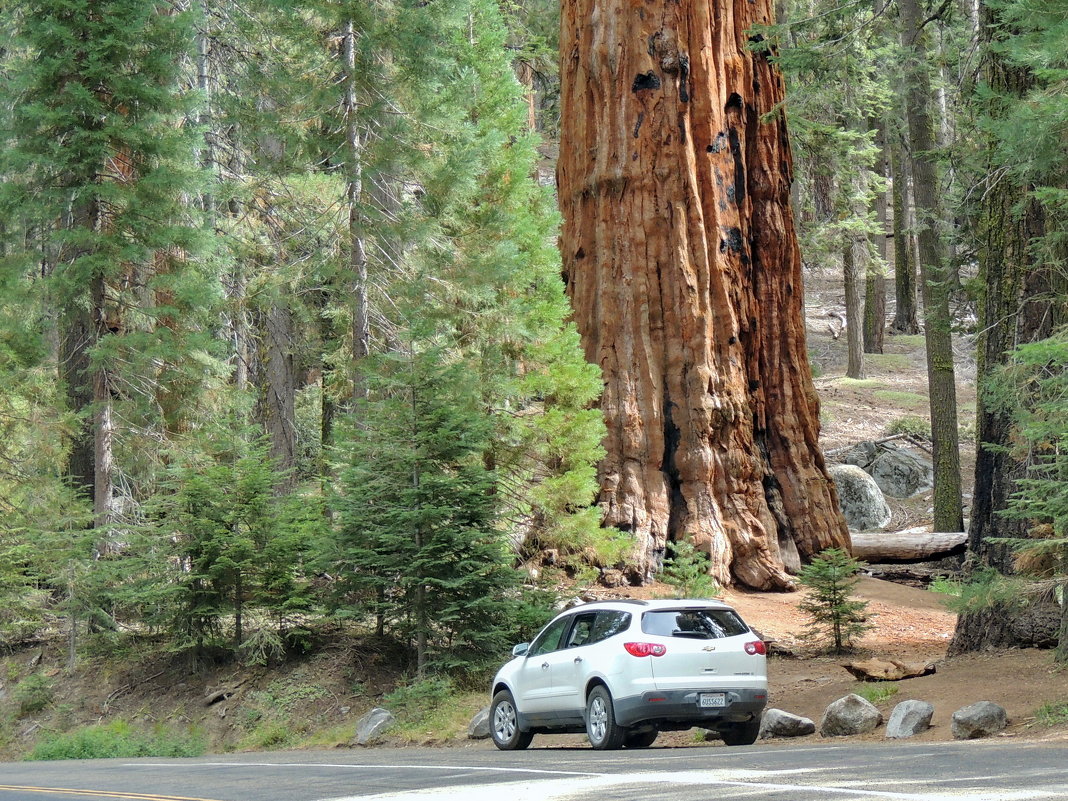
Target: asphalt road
[{"x": 994, "y": 770}]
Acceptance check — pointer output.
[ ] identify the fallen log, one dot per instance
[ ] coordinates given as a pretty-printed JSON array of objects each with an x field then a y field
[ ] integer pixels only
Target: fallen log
[
  {"x": 888, "y": 669},
  {"x": 910, "y": 545}
]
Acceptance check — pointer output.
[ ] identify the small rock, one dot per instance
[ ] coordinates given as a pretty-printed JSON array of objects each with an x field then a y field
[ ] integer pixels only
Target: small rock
[
  {"x": 908, "y": 719},
  {"x": 372, "y": 725},
  {"x": 777, "y": 723},
  {"x": 980, "y": 719},
  {"x": 849, "y": 715},
  {"x": 613, "y": 578},
  {"x": 478, "y": 728}
]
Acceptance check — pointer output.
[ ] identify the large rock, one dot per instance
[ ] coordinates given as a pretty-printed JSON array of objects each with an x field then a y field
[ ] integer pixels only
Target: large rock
[
  {"x": 980, "y": 719},
  {"x": 898, "y": 472},
  {"x": 479, "y": 727},
  {"x": 777, "y": 723},
  {"x": 901, "y": 474},
  {"x": 850, "y": 715},
  {"x": 860, "y": 498},
  {"x": 373, "y": 725},
  {"x": 908, "y": 719}
]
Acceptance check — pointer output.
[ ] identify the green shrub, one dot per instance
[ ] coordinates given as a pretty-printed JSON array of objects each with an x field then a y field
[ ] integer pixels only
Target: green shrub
[
  {"x": 876, "y": 692},
  {"x": 988, "y": 589},
  {"x": 33, "y": 693},
  {"x": 910, "y": 424},
  {"x": 118, "y": 739}
]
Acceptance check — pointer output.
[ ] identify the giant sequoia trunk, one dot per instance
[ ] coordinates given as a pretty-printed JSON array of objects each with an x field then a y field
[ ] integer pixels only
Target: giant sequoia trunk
[{"x": 682, "y": 264}]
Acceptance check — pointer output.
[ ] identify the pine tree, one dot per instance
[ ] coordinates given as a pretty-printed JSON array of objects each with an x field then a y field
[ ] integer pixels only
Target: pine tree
[
  {"x": 418, "y": 546},
  {"x": 830, "y": 579},
  {"x": 99, "y": 170}
]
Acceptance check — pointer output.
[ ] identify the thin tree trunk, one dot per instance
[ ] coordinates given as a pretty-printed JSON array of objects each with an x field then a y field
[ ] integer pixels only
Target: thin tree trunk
[
  {"x": 683, "y": 267},
  {"x": 361, "y": 332},
  {"x": 854, "y": 313},
  {"x": 278, "y": 391},
  {"x": 875, "y": 284},
  {"x": 934, "y": 274},
  {"x": 905, "y": 317}
]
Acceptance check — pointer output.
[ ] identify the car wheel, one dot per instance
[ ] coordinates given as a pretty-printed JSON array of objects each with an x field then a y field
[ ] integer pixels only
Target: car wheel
[
  {"x": 601, "y": 727},
  {"x": 641, "y": 739},
  {"x": 504, "y": 724},
  {"x": 743, "y": 733}
]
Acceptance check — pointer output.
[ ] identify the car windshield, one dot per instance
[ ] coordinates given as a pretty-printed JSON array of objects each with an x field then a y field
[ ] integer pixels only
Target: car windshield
[{"x": 703, "y": 624}]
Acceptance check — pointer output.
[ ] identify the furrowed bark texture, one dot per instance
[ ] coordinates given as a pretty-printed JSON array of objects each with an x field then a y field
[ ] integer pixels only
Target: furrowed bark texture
[{"x": 682, "y": 264}]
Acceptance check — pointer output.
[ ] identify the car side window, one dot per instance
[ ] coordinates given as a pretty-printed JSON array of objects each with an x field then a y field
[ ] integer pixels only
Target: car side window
[
  {"x": 549, "y": 639},
  {"x": 582, "y": 631},
  {"x": 609, "y": 624}
]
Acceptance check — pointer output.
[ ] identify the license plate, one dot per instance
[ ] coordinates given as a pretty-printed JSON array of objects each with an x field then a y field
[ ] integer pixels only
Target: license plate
[{"x": 712, "y": 700}]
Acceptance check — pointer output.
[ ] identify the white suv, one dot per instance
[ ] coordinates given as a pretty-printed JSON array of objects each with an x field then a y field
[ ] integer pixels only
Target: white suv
[{"x": 623, "y": 671}]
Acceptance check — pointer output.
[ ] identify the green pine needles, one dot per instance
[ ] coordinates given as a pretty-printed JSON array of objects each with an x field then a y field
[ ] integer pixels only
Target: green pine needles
[{"x": 830, "y": 579}]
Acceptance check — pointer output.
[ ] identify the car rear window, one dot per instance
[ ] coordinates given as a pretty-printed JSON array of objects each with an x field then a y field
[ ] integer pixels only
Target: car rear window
[{"x": 702, "y": 624}]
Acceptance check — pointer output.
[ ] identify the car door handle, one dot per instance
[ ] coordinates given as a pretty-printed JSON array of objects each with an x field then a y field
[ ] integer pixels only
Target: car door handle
[
  {"x": 544, "y": 665},
  {"x": 578, "y": 659}
]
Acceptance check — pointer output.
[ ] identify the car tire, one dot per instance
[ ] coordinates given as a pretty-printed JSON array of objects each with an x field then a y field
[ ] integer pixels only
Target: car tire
[
  {"x": 601, "y": 727},
  {"x": 743, "y": 733},
  {"x": 640, "y": 739},
  {"x": 504, "y": 724}
]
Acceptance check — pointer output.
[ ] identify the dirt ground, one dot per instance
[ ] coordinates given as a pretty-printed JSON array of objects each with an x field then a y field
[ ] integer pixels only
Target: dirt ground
[{"x": 910, "y": 625}]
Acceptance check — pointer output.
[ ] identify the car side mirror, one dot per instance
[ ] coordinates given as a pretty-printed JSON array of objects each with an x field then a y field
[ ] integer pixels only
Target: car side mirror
[{"x": 520, "y": 649}]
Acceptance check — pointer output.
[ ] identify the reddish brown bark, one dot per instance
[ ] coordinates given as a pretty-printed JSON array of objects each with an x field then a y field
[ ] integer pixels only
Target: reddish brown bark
[{"x": 683, "y": 267}]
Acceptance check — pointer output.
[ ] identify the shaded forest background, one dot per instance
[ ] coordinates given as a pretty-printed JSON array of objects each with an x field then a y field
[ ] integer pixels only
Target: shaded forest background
[{"x": 283, "y": 335}]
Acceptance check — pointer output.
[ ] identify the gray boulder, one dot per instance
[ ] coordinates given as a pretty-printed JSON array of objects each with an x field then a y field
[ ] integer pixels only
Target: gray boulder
[
  {"x": 900, "y": 473},
  {"x": 908, "y": 719},
  {"x": 860, "y": 498},
  {"x": 478, "y": 728},
  {"x": 777, "y": 723},
  {"x": 849, "y": 715},
  {"x": 373, "y": 725},
  {"x": 980, "y": 719}
]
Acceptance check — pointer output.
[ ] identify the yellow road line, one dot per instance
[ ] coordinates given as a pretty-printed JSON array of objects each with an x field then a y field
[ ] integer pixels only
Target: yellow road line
[{"x": 100, "y": 793}]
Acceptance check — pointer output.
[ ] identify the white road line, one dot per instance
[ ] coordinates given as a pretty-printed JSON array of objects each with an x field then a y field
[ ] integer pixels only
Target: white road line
[
  {"x": 452, "y": 768},
  {"x": 560, "y": 789}
]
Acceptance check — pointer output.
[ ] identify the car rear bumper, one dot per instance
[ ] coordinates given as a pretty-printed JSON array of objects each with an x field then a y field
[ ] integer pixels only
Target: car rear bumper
[{"x": 681, "y": 706}]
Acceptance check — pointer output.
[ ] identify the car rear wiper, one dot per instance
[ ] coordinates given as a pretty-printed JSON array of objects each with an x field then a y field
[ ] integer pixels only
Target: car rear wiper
[{"x": 697, "y": 635}]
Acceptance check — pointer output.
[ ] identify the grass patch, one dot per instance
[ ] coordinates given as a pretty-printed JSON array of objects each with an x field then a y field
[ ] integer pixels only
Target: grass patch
[
  {"x": 859, "y": 383},
  {"x": 888, "y": 362},
  {"x": 118, "y": 739},
  {"x": 904, "y": 400},
  {"x": 1054, "y": 713},
  {"x": 908, "y": 340},
  {"x": 947, "y": 586},
  {"x": 271, "y": 734},
  {"x": 432, "y": 710},
  {"x": 876, "y": 692}
]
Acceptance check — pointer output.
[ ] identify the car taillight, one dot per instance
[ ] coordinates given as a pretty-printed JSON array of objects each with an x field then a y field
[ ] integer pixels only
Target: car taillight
[
  {"x": 645, "y": 648},
  {"x": 755, "y": 647}
]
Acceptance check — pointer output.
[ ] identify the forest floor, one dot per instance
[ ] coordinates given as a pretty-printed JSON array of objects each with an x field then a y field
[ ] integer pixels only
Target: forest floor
[{"x": 315, "y": 702}]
